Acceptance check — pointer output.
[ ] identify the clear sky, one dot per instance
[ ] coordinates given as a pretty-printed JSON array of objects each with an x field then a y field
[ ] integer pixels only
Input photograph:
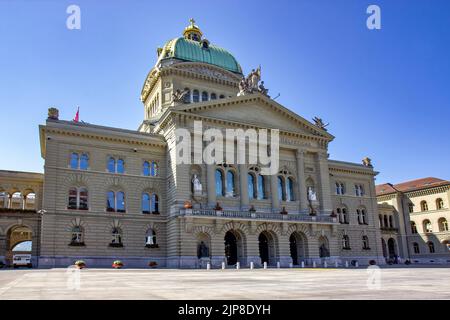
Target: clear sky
[{"x": 385, "y": 93}]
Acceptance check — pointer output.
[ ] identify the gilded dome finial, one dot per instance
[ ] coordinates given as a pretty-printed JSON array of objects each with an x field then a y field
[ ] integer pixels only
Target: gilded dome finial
[{"x": 193, "y": 32}]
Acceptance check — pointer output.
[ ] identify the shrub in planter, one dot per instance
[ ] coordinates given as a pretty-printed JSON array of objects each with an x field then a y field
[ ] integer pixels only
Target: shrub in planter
[
  {"x": 372, "y": 262},
  {"x": 2, "y": 264},
  {"x": 80, "y": 264},
  {"x": 284, "y": 211},
  {"x": 152, "y": 264},
  {"x": 218, "y": 207},
  {"x": 407, "y": 262},
  {"x": 117, "y": 264}
]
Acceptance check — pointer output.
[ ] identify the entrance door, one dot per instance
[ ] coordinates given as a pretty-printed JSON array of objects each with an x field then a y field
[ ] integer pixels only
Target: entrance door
[
  {"x": 263, "y": 248},
  {"x": 231, "y": 248},
  {"x": 391, "y": 248},
  {"x": 294, "y": 251}
]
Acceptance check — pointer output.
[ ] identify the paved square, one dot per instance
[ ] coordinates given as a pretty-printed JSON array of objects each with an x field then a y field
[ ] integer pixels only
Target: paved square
[{"x": 395, "y": 283}]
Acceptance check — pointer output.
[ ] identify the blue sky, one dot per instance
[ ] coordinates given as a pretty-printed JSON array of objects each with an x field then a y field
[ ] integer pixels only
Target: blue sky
[{"x": 385, "y": 92}]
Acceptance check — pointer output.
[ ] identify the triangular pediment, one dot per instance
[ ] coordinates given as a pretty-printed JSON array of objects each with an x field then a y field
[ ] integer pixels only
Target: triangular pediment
[{"x": 256, "y": 110}]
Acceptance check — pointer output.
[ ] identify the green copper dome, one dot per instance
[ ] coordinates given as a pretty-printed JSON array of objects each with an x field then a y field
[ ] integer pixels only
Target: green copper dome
[{"x": 200, "y": 51}]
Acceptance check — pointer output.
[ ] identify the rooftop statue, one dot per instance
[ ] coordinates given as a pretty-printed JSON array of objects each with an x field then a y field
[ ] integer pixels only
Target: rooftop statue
[
  {"x": 319, "y": 123},
  {"x": 252, "y": 84},
  {"x": 367, "y": 162}
]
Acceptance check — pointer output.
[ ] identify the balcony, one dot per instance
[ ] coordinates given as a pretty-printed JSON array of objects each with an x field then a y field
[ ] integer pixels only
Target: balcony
[
  {"x": 259, "y": 216},
  {"x": 389, "y": 229}
]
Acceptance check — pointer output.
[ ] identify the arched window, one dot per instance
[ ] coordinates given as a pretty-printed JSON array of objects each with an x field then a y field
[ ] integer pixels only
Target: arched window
[
  {"x": 146, "y": 203},
  {"x": 195, "y": 96},
  {"x": 204, "y": 96},
  {"x": 230, "y": 184},
  {"x": 111, "y": 165},
  {"x": 427, "y": 227},
  {"x": 187, "y": 97},
  {"x": 430, "y": 246},
  {"x": 365, "y": 241},
  {"x": 74, "y": 160},
  {"x": 410, "y": 207},
  {"x": 424, "y": 206},
  {"x": 155, "y": 203},
  {"x": 439, "y": 204},
  {"x": 77, "y": 236},
  {"x": 150, "y": 239},
  {"x": 120, "y": 166},
  {"x": 340, "y": 188},
  {"x": 364, "y": 216},
  {"x": 358, "y": 214},
  {"x": 78, "y": 199},
  {"x": 146, "y": 168},
  {"x": 380, "y": 219},
  {"x": 413, "y": 227},
  {"x": 213, "y": 96},
  {"x": 219, "y": 182},
  {"x": 281, "y": 189},
  {"x": 84, "y": 161},
  {"x": 251, "y": 186},
  {"x": 345, "y": 242},
  {"x": 290, "y": 189},
  {"x": 443, "y": 224},
  {"x": 115, "y": 201},
  {"x": 416, "y": 248},
  {"x": 261, "y": 187},
  {"x": 116, "y": 237},
  {"x": 345, "y": 217}
]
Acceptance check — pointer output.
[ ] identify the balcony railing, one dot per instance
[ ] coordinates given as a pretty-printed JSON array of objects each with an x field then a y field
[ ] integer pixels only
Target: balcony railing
[{"x": 246, "y": 215}]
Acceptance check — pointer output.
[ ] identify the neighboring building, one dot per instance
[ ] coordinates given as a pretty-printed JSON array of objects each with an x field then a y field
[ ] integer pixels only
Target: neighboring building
[
  {"x": 413, "y": 217},
  {"x": 111, "y": 193}
]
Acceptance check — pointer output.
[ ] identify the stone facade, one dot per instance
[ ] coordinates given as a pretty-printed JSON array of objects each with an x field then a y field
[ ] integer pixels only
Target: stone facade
[
  {"x": 413, "y": 218},
  {"x": 95, "y": 183}
]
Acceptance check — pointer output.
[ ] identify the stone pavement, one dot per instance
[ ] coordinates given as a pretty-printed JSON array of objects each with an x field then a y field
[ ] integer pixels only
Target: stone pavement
[{"x": 395, "y": 283}]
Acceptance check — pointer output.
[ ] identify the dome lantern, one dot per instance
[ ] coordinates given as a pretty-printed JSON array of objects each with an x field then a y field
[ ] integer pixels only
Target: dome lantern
[{"x": 192, "y": 32}]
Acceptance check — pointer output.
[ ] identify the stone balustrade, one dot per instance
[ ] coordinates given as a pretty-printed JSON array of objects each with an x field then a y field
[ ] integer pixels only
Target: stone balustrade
[{"x": 263, "y": 216}]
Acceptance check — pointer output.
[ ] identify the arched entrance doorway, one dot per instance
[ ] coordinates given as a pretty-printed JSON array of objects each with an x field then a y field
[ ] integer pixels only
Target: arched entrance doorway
[
  {"x": 267, "y": 247},
  {"x": 392, "y": 250},
  {"x": 234, "y": 247},
  {"x": 297, "y": 243},
  {"x": 19, "y": 244}
]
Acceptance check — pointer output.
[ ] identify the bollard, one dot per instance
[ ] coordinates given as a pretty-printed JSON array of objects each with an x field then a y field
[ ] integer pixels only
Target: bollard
[
  {"x": 238, "y": 265},
  {"x": 291, "y": 265},
  {"x": 336, "y": 264},
  {"x": 325, "y": 265},
  {"x": 303, "y": 264},
  {"x": 265, "y": 265},
  {"x": 278, "y": 265},
  {"x": 252, "y": 266},
  {"x": 223, "y": 265},
  {"x": 346, "y": 264},
  {"x": 208, "y": 266},
  {"x": 356, "y": 264},
  {"x": 314, "y": 264}
]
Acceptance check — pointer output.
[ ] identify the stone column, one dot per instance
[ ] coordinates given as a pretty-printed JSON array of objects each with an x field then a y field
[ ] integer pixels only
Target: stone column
[
  {"x": 302, "y": 196},
  {"x": 325, "y": 193},
  {"x": 274, "y": 192},
  {"x": 211, "y": 184},
  {"x": 243, "y": 181}
]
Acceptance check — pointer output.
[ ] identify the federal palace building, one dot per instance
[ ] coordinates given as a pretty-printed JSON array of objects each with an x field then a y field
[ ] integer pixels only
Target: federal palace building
[{"x": 109, "y": 193}]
